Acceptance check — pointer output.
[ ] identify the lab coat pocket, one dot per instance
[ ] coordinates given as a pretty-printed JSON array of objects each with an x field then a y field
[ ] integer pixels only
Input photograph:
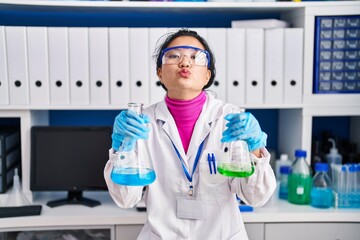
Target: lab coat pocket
[{"x": 208, "y": 166}]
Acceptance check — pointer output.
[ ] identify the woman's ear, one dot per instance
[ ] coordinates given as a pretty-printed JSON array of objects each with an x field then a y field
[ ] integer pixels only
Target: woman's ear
[
  {"x": 208, "y": 75},
  {"x": 159, "y": 74}
]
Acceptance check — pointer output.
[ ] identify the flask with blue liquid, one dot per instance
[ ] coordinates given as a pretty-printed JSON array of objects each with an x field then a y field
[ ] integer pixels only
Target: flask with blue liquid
[
  {"x": 134, "y": 166},
  {"x": 321, "y": 192}
]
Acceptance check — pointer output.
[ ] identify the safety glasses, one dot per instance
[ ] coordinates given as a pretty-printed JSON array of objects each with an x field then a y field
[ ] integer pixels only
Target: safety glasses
[{"x": 174, "y": 55}]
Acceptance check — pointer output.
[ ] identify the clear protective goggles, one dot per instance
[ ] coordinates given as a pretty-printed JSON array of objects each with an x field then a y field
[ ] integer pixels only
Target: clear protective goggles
[{"x": 196, "y": 56}]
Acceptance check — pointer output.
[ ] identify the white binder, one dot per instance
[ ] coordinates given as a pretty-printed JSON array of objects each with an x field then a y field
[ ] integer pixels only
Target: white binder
[
  {"x": 139, "y": 65},
  {"x": 236, "y": 66},
  {"x": 37, "y": 43},
  {"x": 79, "y": 66},
  {"x": 15, "y": 38},
  {"x": 99, "y": 66},
  {"x": 119, "y": 66},
  {"x": 274, "y": 63},
  {"x": 254, "y": 66},
  {"x": 217, "y": 40},
  {"x": 293, "y": 65},
  {"x": 156, "y": 37},
  {"x": 4, "y": 84},
  {"x": 59, "y": 66}
]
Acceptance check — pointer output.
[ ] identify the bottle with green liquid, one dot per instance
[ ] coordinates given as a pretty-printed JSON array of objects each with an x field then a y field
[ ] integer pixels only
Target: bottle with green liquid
[
  {"x": 300, "y": 180},
  {"x": 238, "y": 162}
]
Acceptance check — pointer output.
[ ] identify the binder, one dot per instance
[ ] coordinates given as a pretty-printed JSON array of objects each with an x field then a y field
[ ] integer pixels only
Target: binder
[
  {"x": 274, "y": 63},
  {"x": 99, "y": 66},
  {"x": 119, "y": 66},
  {"x": 293, "y": 65},
  {"x": 79, "y": 66},
  {"x": 37, "y": 43},
  {"x": 15, "y": 38},
  {"x": 156, "y": 37},
  {"x": 254, "y": 66},
  {"x": 59, "y": 66},
  {"x": 236, "y": 66},
  {"x": 4, "y": 84},
  {"x": 139, "y": 65},
  {"x": 217, "y": 41}
]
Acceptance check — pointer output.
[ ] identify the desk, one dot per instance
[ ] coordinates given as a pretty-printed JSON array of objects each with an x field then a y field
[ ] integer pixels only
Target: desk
[{"x": 277, "y": 220}]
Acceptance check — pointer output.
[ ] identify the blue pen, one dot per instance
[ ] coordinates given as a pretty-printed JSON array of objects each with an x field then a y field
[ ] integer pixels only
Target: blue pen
[
  {"x": 213, "y": 161},
  {"x": 209, "y": 161}
]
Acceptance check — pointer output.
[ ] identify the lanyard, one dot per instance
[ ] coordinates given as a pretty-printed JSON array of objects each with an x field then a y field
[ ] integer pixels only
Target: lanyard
[{"x": 188, "y": 176}]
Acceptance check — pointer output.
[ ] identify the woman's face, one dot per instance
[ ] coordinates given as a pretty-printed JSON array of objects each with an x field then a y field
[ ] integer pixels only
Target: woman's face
[{"x": 185, "y": 80}]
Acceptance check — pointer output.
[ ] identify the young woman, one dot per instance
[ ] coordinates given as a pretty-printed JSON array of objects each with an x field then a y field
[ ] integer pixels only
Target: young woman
[{"x": 187, "y": 201}]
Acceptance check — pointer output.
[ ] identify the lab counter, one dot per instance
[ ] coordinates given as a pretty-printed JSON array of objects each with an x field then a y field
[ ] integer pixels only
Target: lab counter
[{"x": 272, "y": 216}]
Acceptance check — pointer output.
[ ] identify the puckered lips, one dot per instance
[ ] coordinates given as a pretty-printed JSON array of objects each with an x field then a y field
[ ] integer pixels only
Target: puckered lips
[{"x": 184, "y": 73}]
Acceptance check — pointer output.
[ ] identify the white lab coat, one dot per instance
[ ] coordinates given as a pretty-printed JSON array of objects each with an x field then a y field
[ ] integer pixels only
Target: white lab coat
[{"x": 223, "y": 218}]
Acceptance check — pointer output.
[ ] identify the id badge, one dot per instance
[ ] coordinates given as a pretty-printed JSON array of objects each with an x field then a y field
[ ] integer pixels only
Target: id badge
[{"x": 190, "y": 208}]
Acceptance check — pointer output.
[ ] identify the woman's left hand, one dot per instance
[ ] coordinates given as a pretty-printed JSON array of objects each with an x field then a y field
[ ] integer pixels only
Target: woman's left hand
[{"x": 244, "y": 126}]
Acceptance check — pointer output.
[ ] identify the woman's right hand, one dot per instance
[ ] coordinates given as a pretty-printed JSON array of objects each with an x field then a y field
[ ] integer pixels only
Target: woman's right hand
[{"x": 131, "y": 126}]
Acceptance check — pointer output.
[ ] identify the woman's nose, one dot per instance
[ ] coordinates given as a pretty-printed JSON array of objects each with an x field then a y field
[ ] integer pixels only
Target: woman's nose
[{"x": 185, "y": 61}]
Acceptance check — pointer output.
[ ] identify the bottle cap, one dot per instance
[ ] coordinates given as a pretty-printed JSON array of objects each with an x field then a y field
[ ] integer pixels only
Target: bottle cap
[
  {"x": 352, "y": 168},
  {"x": 285, "y": 169},
  {"x": 300, "y": 153},
  {"x": 321, "y": 167}
]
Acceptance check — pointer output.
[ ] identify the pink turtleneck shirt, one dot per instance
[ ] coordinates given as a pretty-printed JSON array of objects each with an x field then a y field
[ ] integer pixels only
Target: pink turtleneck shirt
[{"x": 185, "y": 114}]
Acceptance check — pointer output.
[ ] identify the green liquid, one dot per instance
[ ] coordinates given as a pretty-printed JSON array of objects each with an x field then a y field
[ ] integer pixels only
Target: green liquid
[
  {"x": 299, "y": 186},
  {"x": 235, "y": 170}
]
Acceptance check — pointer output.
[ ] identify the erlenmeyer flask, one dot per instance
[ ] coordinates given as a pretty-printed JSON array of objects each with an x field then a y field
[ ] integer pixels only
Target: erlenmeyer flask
[
  {"x": 238, "y": 163},
  {"x": 133, "y": 167}
]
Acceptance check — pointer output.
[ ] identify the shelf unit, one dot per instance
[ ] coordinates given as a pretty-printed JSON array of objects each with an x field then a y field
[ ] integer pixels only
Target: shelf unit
[{"x": 295, "y": 121}]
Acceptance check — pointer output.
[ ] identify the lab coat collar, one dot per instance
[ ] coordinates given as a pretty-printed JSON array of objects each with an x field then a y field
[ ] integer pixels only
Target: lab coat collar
[{"x": 211, "y": 111}]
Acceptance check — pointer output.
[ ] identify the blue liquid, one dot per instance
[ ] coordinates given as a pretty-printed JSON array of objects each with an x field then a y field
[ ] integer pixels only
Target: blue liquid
[
  {"x": 283, "y": 192},
  {"x": 133, "y": 176},
  {"x": 321, "y": 197}
]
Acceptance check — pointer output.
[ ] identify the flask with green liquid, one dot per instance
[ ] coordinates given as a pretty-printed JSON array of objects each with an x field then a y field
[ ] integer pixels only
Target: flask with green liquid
[{"x": 238, "y": 163}]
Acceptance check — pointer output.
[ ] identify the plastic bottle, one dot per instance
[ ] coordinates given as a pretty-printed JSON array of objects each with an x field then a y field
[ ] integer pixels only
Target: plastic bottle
[
  {"x": 316, "y": 152},
  {"x": 284, "y": 175},
  {"x": 352, "y": 186},
  {"x": 321, "y": 192},
  {"x": 283, "y": 161},
  {"x": 300, "y": 180},
  {"x": 16, "y": 197},
  {"x": 333, "y": 157},
  {"x": 134, "y": 167}
]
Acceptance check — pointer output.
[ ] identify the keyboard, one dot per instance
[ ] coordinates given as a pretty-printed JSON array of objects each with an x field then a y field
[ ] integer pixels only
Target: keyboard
[{"x": 20, "y": 211}]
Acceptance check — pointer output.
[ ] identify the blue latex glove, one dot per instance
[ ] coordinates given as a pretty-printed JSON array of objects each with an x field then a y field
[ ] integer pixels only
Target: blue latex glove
[
  {"x": 131, "y": 126},
  {"x": 244, "y": 126}
]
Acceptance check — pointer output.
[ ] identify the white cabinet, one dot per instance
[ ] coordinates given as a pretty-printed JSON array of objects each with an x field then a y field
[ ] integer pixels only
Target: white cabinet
[
  {"x": 127, "y": 232},
  {"x": 255, "y": 231},
  {"x": 295, "y": 120},
  {"x": 312, "y": 231}
]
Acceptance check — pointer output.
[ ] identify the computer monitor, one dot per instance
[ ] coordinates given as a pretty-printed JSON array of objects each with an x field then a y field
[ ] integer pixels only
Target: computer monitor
[{"x": 69, "y": 159}]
